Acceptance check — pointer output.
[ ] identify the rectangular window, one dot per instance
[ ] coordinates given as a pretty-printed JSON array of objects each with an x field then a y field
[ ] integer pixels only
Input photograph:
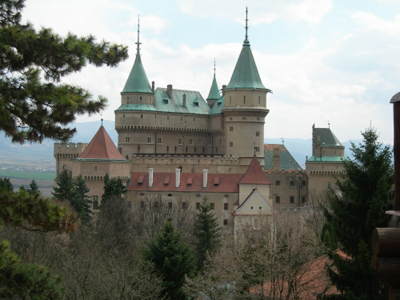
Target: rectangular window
[
  {"x": 170, "y": 205},
  {"x": 231, "y": 128},
  {"x": 257, "y": 133},
  {"x": 95, "y": 202},
  {"x": 225, "y": 221},
  {"x": 212, "y": 205},
  {"x": 184, "y": 205},
  {"x": 95, "y": 168},
  {"x": 190, "y": 142},
  {"x": 291, "y": 183},
  {"x": 197, "y": 205},
  {"x": 304, "y": 182},
  {"x": 179, "y": 141},
  {"x": 303, "y": 199},
  {"x": 142, "y": 204},
  {"x": 243, "y": 118},
  {"x": 277, "y": 199},
  {"x": 226, "y": 205},
  {"x": 257, "y": 149},
  {"x": 278, "y": 182},
  {"x": 148, "y": 139},
  {"x": 291, "y": 199},
  {"x": 230, "y": 144},
  {"x": 159, "y": 140},
  {"x": 127, "y": 139}
]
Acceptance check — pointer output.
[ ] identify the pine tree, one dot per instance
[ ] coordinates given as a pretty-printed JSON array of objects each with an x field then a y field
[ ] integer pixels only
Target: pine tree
[
  {"x": 172, "y": 259},
  {"x": 33, "y": 188},
  {"x": 31, "y": 108},
  {"x": 356, "y": 209},
  {"x": 113, "y": 188},
  {"x": 64, "y": 190},
  {"x": 81, "y": 202},
  {"x": 5, "y": 184},
  {"x": 207, "y": 232}
]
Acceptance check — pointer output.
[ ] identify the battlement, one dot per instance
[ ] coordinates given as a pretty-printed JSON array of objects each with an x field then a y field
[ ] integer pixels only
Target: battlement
[{"x": 69, "y": 148}]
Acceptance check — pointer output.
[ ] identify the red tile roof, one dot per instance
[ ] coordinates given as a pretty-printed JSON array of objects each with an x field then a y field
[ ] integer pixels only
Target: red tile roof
[
  {"x": 101, "y": 147},
  {"x": 189, "y": 182},
  {"x": 254, "y": 174}
]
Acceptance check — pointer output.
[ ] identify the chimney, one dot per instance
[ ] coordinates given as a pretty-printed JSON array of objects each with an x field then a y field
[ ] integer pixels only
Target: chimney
[
  {"x": 276, "y": 160},
  {"x": 177, "y": 177},
  {"x": 223, "y": 89},
  {"x": 151, "y": 177},
  {"x": 184, "y": 100},
  {"x": 396, "y": 149},
  {"x": 205, "y": 173},
  {"x": 169, "y": 90},
  {"x": 152, "y": 85}
]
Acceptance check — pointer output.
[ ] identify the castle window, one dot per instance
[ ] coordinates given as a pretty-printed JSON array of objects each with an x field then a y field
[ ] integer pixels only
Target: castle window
[
  {"x": 123, "y": 116},
  {"x": 231, "y": 128},
  {"x": 129, "y": 204},
  {"x": 291, "y": 183},
  {"x": 127, "y": 139},
  {"x": 257, "y": 149},
  {"x": 243, "y": 118},
  {"x": 95, "y": 202},
  {"x": 230, "y": 144},
  {"x": 141, "y": 116},
  {"x": 127, "y": 98},
  {"x": 159, "y": 140},
  {"x": 179, "y": 141},
  {"x": 291, "y": 199},
  {"x": 127, "y": 157},
  {"x": 168, "y": 118},
  {"x": 197, "y": 205},
  {"x": 244, "y": 99},
  {"x": 170, "y": 205},
  {"x": 95, "y": 168},
  {"x": 260, "y": 207},
  {"x": 195, "y": 149},
  {"x": 165, "y": 101},
  {"x": 148, "y": 139},
  {"x": 184, "y": 205},
  {"x": 251, "y": 207},
  {"x": 257, "y": 133},
  {"x": 277, "y": 199},
  {"x": 216, "y": 149},
  {"x": 142, "y": 204},
  {"x": 303, "y": 199},
  {"x": 225, "y": 221},
  {"x": 220, "y": 142},
  {"x": 212, "y": 206},
  {"x": 226, "y": 205},
  {"x": 140, "y": 98},
  {"x": 196, "y": 103},
  {"x": 304, "y": 183},
  {"x": 329, "y": 185},
  {"x": 190, "y": 142},
  {"x": 259, "y": 100}
]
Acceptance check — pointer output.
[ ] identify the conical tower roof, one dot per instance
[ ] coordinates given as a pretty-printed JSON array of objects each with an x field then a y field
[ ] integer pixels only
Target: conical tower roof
[
  {"x": 137, "y": 81},
  {"x": 254, "y": 174},
  {"x": 245, "y": 75},
  {"x": 101, "y": 147},
  {"x": 214, "y": 91}
]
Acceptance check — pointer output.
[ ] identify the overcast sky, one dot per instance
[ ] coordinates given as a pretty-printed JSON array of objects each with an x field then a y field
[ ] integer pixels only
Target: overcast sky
[{"x": 325, "y": 60}]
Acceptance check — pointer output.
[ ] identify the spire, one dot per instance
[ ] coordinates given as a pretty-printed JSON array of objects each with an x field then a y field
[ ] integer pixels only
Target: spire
[
  {"x": 245, "y": 75},
  {"x": 137, "y": 81},
  {"x": 214, "y": 92}
]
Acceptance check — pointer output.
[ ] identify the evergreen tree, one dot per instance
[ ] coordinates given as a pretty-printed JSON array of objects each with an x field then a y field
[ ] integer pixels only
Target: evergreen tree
[
  {"x": 207, "y": 232},
  {"x": 81, "y": 202},
  {"x": 113, "y": 188},
  {"x": 356, "y": 209},
  {"x": 172, "y": 259},
  {"x": 31, "y": 108},
  {"x": 33, "y": 188},
  {"x": 64, "y": 190},
  {"x": 6, "y": 185}
]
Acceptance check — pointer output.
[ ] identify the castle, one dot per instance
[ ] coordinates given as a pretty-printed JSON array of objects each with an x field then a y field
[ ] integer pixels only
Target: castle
[{"x": 175, "y": 144}]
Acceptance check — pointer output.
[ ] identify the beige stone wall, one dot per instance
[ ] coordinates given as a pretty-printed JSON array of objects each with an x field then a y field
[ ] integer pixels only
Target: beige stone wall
[
  {"x": 246, "y": 189},
  {"x": 322, "y": 176},
  {"x": 137, "y": 98},
  {"x": 64, "y": 153},
  {"x": 222, "y": 211},
  {"x": 248, "y": 98},
  {"x": 288, "y": 186}
]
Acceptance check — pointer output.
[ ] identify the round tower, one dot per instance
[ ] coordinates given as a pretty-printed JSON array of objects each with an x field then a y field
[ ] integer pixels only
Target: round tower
[{"x": 245, "y": 108}]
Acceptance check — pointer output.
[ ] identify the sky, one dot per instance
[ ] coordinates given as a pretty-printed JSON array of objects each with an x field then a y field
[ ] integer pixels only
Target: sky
[{"x": 328, "y": 62}]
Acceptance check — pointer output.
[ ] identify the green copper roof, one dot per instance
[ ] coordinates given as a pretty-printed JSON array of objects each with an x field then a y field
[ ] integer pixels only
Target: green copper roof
[
  {"x": 136, "y": 107},
  {"x": 286, "y": 159},
  {"x": 137, "y": 81},
  {"x": 214, "y": 92},
  {"x": 333, "y": 159},
  {"x": 326, "y": 138},
  {"x": 218, "y": 106},
  {"x": 245, "y": 75}
]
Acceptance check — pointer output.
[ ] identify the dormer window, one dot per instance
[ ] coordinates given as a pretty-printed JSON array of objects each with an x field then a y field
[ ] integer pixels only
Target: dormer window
[
  {"x": 196, "y": 103},
  {"x": 127, "y": 98},
  {"x": 140, "y": 180},
  {"x": 165, "y": 101}
]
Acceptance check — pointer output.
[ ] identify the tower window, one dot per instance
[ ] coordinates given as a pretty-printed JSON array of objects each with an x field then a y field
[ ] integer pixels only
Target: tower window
[
  {"x": 149, "y": 139},
  {"x": 257, "y": 133},
  {"x": 230, "y": 144},
  {"x": 140, "y": 98},
  {"x": 278, "y": 182},
  {"x": 244, "y": 99},
  {"x": 123, "y": 116},
  {"x": 127, "y": 98},
  {"x": 190, "y": 142},
  {"x": 127, "y": 139},
  {"x": 179, "y": 141},
  {"x": 226, "y": 205},
  {"x": 257, "y": 149},
  {"x": 95, "y": 168},
  {"x": 277, "y": 199},
  {"x": 291, "y": 199},
  {"x": 259, "y": 100},
  {"x": 231, "y": 128},
  {"x": 243, "y": 118},
  {"x": 141, "y": 116},
  {"x": 159, "y": 140}
]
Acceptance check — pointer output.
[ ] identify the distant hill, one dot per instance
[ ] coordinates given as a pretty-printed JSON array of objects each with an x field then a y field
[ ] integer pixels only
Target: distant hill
[{"x": 11, "y": 153}]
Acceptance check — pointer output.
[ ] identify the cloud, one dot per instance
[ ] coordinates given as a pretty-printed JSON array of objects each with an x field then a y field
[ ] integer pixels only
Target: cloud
[
  {"x": 369, "y": 21},
  {"x": 309, "y": 11}
]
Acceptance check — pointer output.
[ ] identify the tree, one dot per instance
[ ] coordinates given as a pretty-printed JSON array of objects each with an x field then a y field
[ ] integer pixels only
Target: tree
[
  {"x": 112, "y": 188},
  {"x": 356, "y": 208},
  {"x": 207, "y": 232},
  {"x": 172, "y": 259},
  {"x": 81, "y": 202},
  {"x": 31, "y": 108},
  {"x": 64, "y": 189},
  {"x": 33, "y": 188}
]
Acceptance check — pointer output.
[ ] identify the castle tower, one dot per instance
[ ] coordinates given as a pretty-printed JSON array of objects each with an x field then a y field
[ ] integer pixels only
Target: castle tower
[
  {"x": 137, "y": 93},
  {"x": 214, "y": 95},
  {"x": 245, "y": 108}
]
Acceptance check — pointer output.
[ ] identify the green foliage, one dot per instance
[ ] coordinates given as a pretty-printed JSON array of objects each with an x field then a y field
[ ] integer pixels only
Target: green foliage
[
  {"x": 172, "y": 259},
  {"x": 81, "y": 202},
  {"x": 33, "y": 188},
  {"x": 207, "y": 232},
  {"x": 6, "y": 185},
  {"x": 113, "y": 188},
  {"x": 356, "y": 209},
  {"x": 64, "y": 188},
  {"x": 31, "y": 108},
  {"x": 20, "y": 280}
]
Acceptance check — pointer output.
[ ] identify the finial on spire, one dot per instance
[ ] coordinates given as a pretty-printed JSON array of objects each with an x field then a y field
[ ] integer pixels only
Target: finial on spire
[
  {"x": 138, "y": 31},
  {"x": 214, "y": 67},
  {"x": 329, "y": 124},
  {"x": 101, "y": 121},
  {"x": 247, "y": 27}
]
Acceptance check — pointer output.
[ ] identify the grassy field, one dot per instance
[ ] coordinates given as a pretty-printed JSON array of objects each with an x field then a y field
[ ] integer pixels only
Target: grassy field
[{"x": 28, "y": 175}]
